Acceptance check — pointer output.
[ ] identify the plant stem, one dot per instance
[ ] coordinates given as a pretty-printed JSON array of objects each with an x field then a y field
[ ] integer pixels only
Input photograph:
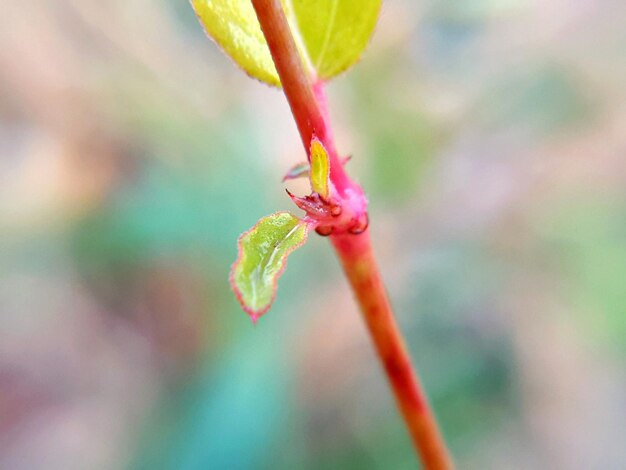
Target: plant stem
[
  {"x": 357, "y": 257},
  {"x": 307, "y": 102},
  {"x": 302, "y": 92}
]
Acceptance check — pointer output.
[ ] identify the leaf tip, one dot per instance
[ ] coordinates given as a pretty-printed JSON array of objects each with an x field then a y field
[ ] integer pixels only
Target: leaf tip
[{"x": 297, "y": 171}]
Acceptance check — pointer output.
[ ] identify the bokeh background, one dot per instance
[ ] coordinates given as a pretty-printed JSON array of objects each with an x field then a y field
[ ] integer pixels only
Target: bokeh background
[{"x": 490, "y": 136}]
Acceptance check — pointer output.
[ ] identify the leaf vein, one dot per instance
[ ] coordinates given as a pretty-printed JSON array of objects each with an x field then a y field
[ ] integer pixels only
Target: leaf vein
[{"x": 327, "y": 34}]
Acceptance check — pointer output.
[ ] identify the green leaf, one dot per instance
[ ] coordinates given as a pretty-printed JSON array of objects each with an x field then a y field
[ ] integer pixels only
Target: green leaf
[
  {"x": 320, "y": 169},
  {"x": 297, "y": 171},
  {"x": 234, "y": 26},
  {"x": 335, "y": 32},
  {"x": 330, "y": 34},
  {"x": 262, "y": 259}
]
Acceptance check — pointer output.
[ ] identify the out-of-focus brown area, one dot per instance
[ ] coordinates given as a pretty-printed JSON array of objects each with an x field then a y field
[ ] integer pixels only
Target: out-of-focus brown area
[{"x": 490, "y": 137}]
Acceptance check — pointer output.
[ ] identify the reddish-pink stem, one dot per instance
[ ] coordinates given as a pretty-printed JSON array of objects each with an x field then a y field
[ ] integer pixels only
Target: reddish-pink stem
[
  {"x": 359, "y": 264},
  {"x": 307, "y": 102},
  {"x": 303, "y": 93}
]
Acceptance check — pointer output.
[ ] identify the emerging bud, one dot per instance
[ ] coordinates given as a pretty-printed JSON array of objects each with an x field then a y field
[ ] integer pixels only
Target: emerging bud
[{"x": 328, "y": 210}]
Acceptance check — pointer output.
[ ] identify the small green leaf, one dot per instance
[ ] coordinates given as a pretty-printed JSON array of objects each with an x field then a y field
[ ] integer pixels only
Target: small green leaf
[
  {"x": 320, "y": 169},
  {"x": 330, "y": 34},
  {"x": 297, "y": 171},
  {"x": 262, "y": 259}
]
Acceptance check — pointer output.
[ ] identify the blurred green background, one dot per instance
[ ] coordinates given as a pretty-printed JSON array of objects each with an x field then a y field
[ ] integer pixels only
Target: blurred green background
[{"x": 490, "y": 136}]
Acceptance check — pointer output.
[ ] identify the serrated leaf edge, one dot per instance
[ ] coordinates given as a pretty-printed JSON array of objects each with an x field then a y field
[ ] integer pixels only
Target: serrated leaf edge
[{"x": 256, "y": 314}]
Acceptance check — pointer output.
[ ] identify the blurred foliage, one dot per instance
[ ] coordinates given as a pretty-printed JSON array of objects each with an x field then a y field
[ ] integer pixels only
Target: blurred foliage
[
  {"x": 586, "y": 237},
  {"x": 489, "y": 136}
]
